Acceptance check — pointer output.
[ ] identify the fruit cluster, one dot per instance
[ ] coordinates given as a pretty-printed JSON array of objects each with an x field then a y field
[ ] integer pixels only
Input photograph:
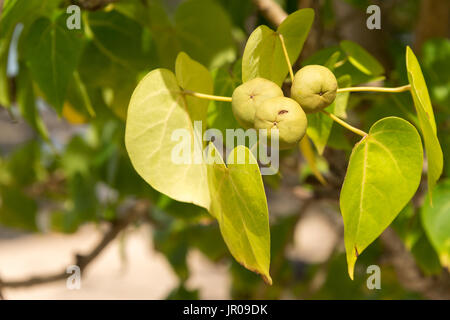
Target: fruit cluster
[{"x": 260, "y": 103}]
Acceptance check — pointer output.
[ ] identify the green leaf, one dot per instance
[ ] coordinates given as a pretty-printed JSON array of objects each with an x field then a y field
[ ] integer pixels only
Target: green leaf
[
  {"x": 361, "y": 59},
  {"x": 27, "y": 102},
  {"x": 220, "y": 115},
  {"x": 427, "y": 123},
  {"x": 409, "y": 227},
  {"x": 238, "y": 202},
  {"x": 156, "y": 109},
  {"x": 319, "y": 128},
  {"x": 5, "y": 99},
  {"x": 382, "y": 176},
  {"x": 435, "y": 59},
  {"x": 204, "y": 31},
  {"x": 167, "y": 42},
  {"x": 52, "y": 52},
  {"x": 17, "y": 210},
  {"x": 436, "y": 221},
  {"x": 15, "y": 11},
  {"x": 193, "y": 76},
  {"x": 341, "y": 100},
  {"x": 200, "y": 27},
  {"x": 322, "y": 56},
  {"x": 263, "y": 54},
  {"x": 24, "y": 164},
  {"x": 119, "y": 38}
]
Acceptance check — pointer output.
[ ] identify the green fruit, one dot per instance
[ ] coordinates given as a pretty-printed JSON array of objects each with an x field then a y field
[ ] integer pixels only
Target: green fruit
[
  {"x": 249, "y": 96},
  {"x": 283, "y": 114},
  {"x": 314, "y": 87}
]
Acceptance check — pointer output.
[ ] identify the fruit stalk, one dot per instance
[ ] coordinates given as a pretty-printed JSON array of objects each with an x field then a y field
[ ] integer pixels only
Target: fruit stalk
[
  {"x": 344, "y": 124},
  {"x": 288, "y": 61},
  {"x": 375, "y": 89},
  {"x": 207, "y": 96}
]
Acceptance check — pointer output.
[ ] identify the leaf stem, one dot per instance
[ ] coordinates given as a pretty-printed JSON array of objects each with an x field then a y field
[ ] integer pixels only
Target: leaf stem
[
  {"x": 206, "y": 96},
  {"x": 288, "y": 61},
  {"x": 375, "y": 89},
  {"x": 344, "y": 124}
]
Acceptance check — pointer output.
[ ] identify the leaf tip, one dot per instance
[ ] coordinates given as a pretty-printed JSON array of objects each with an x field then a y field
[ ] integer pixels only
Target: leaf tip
[
  {"x": 352, "y": 256},
  {"x": 267, "y": 279}
]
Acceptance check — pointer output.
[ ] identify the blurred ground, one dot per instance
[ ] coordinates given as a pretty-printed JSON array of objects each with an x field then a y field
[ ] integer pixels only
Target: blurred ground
[
  {"x": 130, "y": 268},
  {"x": 141, "y": 274}
]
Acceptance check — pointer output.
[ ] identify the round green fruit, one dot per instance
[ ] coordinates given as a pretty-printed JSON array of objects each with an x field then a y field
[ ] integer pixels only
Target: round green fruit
[
  {"x": 283, "y": 114},
  {"x": 249, "y": 96},
  {"x": 314, "y": 87}
]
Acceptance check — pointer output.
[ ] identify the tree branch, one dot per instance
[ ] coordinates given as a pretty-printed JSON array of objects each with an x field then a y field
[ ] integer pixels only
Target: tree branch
[
  {"x": 271, "y": 11},
  {"x": 140, "y": 208}
]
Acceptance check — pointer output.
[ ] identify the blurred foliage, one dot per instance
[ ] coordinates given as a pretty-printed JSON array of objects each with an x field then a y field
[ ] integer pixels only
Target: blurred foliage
[{"x": 87, "y": 77}]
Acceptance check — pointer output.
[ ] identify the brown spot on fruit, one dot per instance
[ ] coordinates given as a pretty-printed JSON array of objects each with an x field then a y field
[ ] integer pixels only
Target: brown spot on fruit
[{"x": 282, "y": 112}]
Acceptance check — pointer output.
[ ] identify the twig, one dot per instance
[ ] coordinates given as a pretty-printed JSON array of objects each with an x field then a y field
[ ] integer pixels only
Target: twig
[
  {"x": 82, "y": 261},
  {"x": 375, "y": 89},
  {"x": 345, "y": 124},
  {"x": 271, "y": 11}
]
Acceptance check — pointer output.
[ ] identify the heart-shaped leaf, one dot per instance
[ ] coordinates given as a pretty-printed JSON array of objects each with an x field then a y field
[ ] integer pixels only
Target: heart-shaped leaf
[
  {"x": 361, "y": 59},
  {"x": 425, "y": 114},
  {"x": 382, "y": 176},
  {"x": 263, "y": 55},
  {"x": 239, "y": 204},
  {"x": 158, "y": 108},
  {"x": 436, "y": 221}
]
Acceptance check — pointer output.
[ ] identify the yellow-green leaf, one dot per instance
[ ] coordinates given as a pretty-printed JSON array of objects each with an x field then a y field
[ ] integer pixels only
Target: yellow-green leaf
[
  {"x": 193, "y": 76},
  {"x": 427, "y": 123},
  {"x": 239, "y": 204},
  {"x": 157, "y": 108},
  {"x": 263, "y": 55},
  {"x": 382, "y": 176}
]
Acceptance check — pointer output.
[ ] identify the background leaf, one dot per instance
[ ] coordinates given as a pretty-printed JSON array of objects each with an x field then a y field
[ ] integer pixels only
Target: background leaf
[
  {"x": 52, "y": 39},
  {"x": 361, "y": 59},
  {"x": 204, "y": 31},
  {"x": 436, "y": 221},
  {"x": 27, "y": 102}
]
